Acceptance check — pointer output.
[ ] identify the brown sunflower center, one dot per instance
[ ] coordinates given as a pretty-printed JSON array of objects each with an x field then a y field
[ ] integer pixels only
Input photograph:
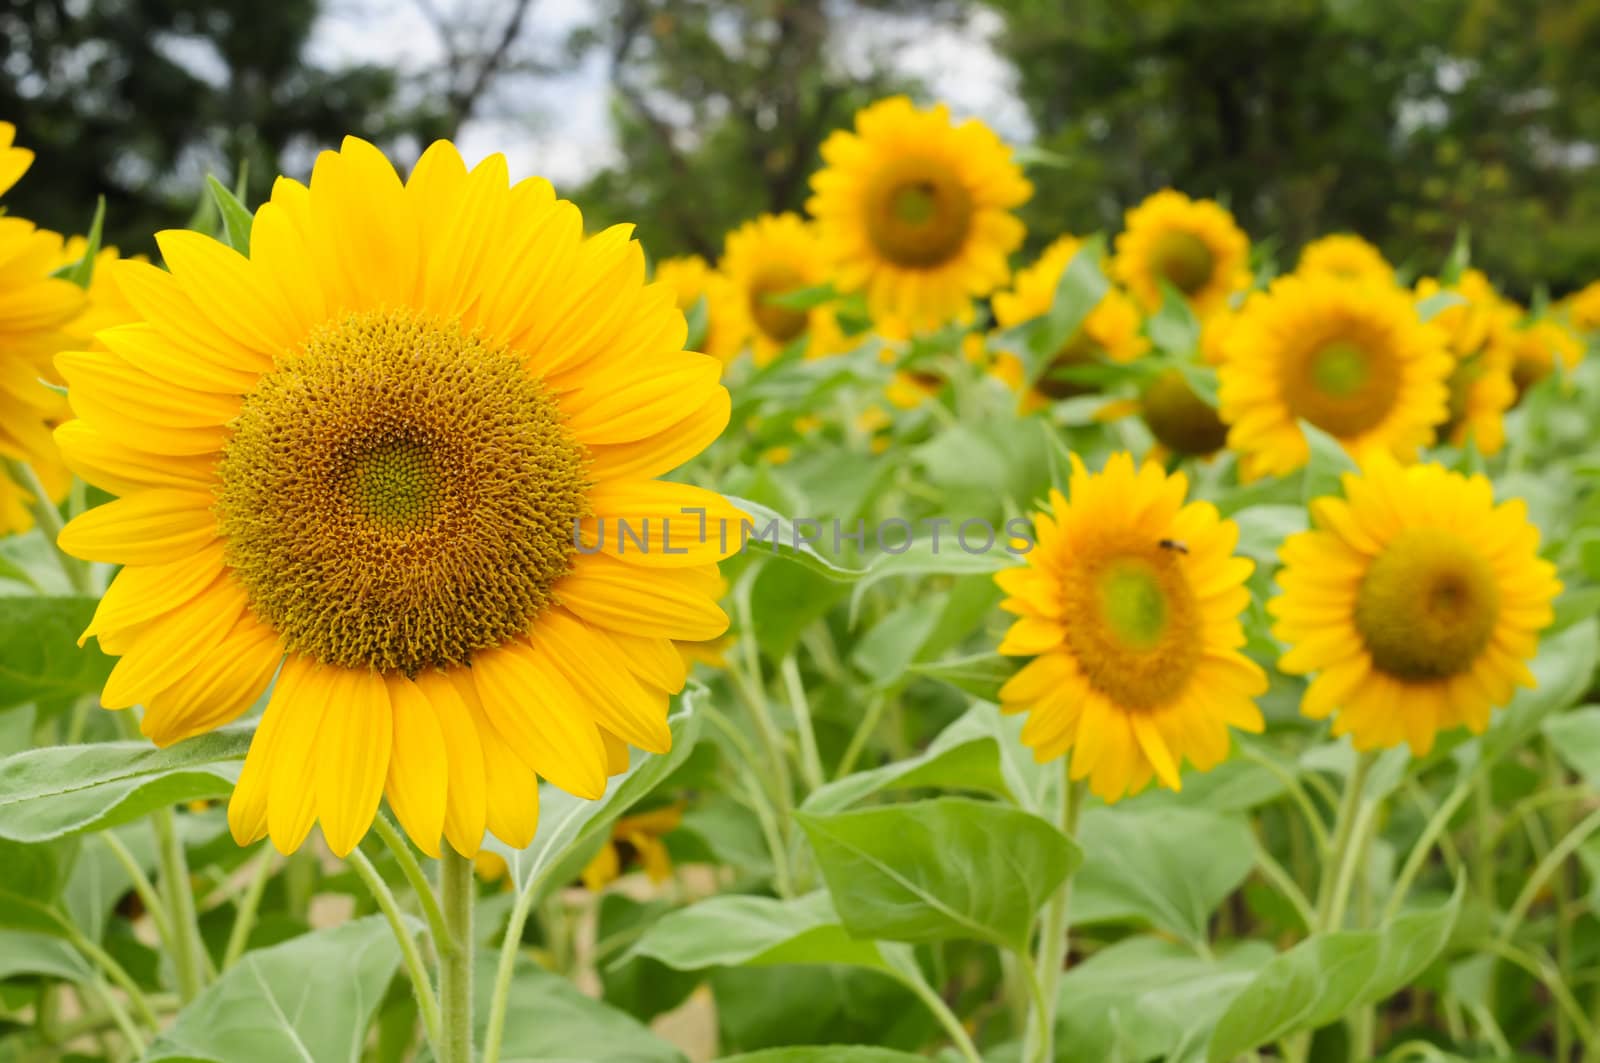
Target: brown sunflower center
[
  {"x": 398, "y": 495},
  {"x": 1134, "y": 625},
  {"x": 1179, "y": 419},
  {"x": 1183, "y": 259},
  {"x": 778, "y": 323},
  {"x": 1427, "y": 605},
  {"x": 918, "y": 213},
  {"x": 1344, "y": 386}
]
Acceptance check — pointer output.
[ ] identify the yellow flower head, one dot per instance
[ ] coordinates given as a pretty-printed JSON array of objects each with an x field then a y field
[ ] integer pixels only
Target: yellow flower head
[
  {"x": 1584, "y": 308},
  {"x": 1346, "y": 256},
  {"x": 637, "y": 836},
  {"x": 1537, "y": 347},
  {"x": 1352, "y": 359},
  {"x": 1481, "y": 391},
  {"x": 360, "y": 454},
  {"x": 1193, "y": 244},
  {"x": 916, "y": 211},
  {"x": 1481, "y": 319},
  {"x": 773, "y": 255},
  {"x": 1416, "y": 601},
  {"x": 1129, "y": 604}
]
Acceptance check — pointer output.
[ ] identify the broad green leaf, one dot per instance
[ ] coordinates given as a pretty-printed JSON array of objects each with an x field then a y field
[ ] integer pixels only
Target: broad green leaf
[
  {"x": 1079, "y": 291},
  {"x": 942, "y": 553},
  {"x": 30, "y": 882},
  {"x": 309, "y": 999},
  {"x": 964, "y": 756},
  {"x": 826, "y": 1054},
  {"x": 1173, "y": 327},
  {"x": 697, "y": 319},
  {"x": 889, "y": 646},
  {"x": 552, "y": 1021},
  {"x": 1263, "y": 528},
  {"x": 1563, "y": 669},
  {"x": 642, "y": 986},
  {"x": 1411, "y": 941},
  {"x": 237, "y": 221},
  {"x": 24, "y": 953},
  {"x": 1236, "y": 785},
  {"x": 981, "y": 675},
  {"x": 737, "y": 931},
  {"x": 571, "y": 829},
  {"x": 941, "y": 869},
  {"x": 803, "y": 298},
  {"x": 1145, "y": 997},
  {"x": 785, "y": 1007},
  {"x": 39, "y": 656},
  {"x": 1575, "y": 736},
  {"x": 65, "y": 790},
  {"x": 1438, "y": 303},
  {"x": 773, "y": 531},
  {"x": 1169, "y": 867}
]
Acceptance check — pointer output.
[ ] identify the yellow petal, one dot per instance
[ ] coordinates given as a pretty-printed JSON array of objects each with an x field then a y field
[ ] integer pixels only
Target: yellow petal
[
  {"x": 352, "y": 755},
  {"x": 419, "y": 769},
  {"x": 305, "y": 695},
  {"x": 659, "y": 603},
  {"x": 150, "y": 528},
  {"x": 466, "y": 810},
  {"x": 531, "y": 703},
  {"x": 167, "y": 648},
  {"x": 221, "y": 687}
]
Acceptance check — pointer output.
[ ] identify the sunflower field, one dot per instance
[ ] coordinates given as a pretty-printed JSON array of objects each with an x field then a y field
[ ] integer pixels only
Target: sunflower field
[{"x": 434, "y": 629}]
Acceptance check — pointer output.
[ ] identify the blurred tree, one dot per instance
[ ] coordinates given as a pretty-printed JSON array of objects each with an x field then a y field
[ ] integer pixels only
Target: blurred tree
[
  {"x": 137, "y": 99},
  {"x": 1402, "y": 122}
]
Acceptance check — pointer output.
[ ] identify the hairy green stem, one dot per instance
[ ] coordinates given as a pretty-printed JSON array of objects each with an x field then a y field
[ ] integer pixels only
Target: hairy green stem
[
  {"x": 457, "y": 890},
  {"x": 415, "y": 878},
  {"x": 416, "y": 969},
  {"x": 1340, "y": 850},
  {"x": 142, "y": 887}
]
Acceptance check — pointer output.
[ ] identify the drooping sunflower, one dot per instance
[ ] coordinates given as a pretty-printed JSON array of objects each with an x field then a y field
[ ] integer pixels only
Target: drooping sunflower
[
  {"x": 1416, "y": 600},
  {"x": 1537, "y": 347},
  {"x": 916, "y": 212},
  {"x": 1130, "y": 603},
  {"x": 773, "y": 255},
  {"x": 1352, "y": 359},
  {"x": 1347, "y": 256},
  {"x": 1193, "y": 244},
  {"x": 364, "y": 453},
  {"x": 36, "y": 311}
]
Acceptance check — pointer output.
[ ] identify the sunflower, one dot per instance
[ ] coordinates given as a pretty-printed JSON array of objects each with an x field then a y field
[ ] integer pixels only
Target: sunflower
[
  {"x": 1193, "y": 244},
  {"x": 1481, "y": 391},
  {"x": 1537, "y": 347},
  {"x": 691, "y": 280},
  {"x": 1583, "y": 306},
  {"x": 1130, "y": 604},
  {"x": 365, "y": 453},
  {"x": 1477, "y": 319},
  {"x": 1347, "y": 256},
  {"x": 635, "y": 837},
  {"x": 1182, "y": 422},
  {"x": 916, "y": 212},
  {"x": 1352, "y": 359},
  {"x": 36, "y": 312},
  {"x": 772, "y": 256},
  {"x": 1416, "y": 601}
]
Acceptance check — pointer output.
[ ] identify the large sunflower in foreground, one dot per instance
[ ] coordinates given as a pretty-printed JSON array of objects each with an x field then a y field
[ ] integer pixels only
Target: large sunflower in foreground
[
  {"x": 1345, "y": 255},
  {"x": 916, "y": 212},
  {"x": 1353, "y": 359},
  {"x": 1416, "y": 601},
  {"x": 770, "y": 256},
  {"x": 1193, "y": 244},
  {"x": 1130, "y": 604},
  {"x": 361, "y": 453},
  {"x": 36, "y": 310}
]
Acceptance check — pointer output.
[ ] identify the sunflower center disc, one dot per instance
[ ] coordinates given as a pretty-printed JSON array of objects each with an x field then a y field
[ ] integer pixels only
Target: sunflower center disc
[
  {"x": 1183, "y": 259},
  {"x": 779, "y": 323},
  {"x": 398, "y": 495},
  {"x": 918, "y": 213},
  {"x": 1343, "y": 386},
  {"x": 1427, "y": 606},
  {"x": 1179, "y": 419},
  {"x": 1137, "y": 629}
]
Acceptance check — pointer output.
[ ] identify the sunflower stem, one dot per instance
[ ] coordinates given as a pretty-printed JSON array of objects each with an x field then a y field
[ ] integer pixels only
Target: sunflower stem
[
  {"x": 48, "y": 518},
  {"x": 1431, "y": 831},
  {"x": 416, "y": 970},
  {"x": 415, "y": 877},
  {"x": 810, "y": 759},
  {"x": 1045, "y": 975},
  {"x": 457, "y": 891},
  {"x": 1341, "y": 851},
  {"x": 180, "y": 904},
  {"x": 245, "y": 919}
]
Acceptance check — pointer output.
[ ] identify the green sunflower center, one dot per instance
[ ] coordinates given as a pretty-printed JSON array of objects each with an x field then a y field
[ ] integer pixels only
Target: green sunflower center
[
  {"x": 1345, "y": 386},
  {"x": 1179, "y": 419},
  {"x": 1183, "y": 259},
  {"x": 1427, "y": 606},
  {"x": 918, "y": 213},
  {"x": 1134, "y": 625},
  {"x": 778, "y": 323},
  {"x": 398, "y": 495}
]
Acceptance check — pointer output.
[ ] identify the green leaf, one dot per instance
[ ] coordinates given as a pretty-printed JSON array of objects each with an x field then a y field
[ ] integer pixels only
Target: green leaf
[
  {"x": 25, "y": 953},
  {"x": 942, "y": 553},
  {"x": 1438, "y": 303},
  {"x": 81, "y": 272},
  {"x": 773, "y": 531},
  {"x": 553, "y": 1022},
  {"x": 1328, "y": 975},
  {"x": 640, "y": 985},
  {"x": 65, "y": 790},
  {"x": 1563, "y": 668},
  {"x": 237, "y": 221},
  {"x": 39, "y": 658},
  {"x": 1575, "y": 736},
  {"x": 1079, "y": 291},
  {"x": 738, "y": 931},
  {"x": 30, "y": 881},
  {"x": 981, "y": 675},
  {"x": 1328, "y": 463},
  {"x": 941, "y": 869},
  {"x": 1459, "y": 259},
  {"x": 1263, "y": 528},
  {"x": 1169, "y": 867},
  {"x": 571, "y": 829},
  {"x": 698, "y": 320},
  {"x": 826, "y": 1054},
  {"x": 804, "y": 298},
  {"x": 1173, "y": 327},
  {"x": 309, "y": 999}
]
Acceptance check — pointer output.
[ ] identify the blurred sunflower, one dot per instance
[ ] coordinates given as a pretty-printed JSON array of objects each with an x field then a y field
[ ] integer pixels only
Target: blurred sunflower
[
  {"x": 1346, "y": 256},
  {"x": 1583, "y": 307},
  {"x": 361, "y": 453},
  {"x": 691, "y": 280},
  {"x": 1110, "y": 331},
  {"x": 1416, "y": 600},
  {"x": 1537, "y": 347},
  {"x": 1478, "y": 327},
  {"x": 773, "y": 255},
  {"x": 1182, "y": 422},
  {"x": 916, "y": 212},
  {"x": 1352, "y": 359},
  {"x": 911, "y": 388},
  {"x": 635, "y": 837},
  {"x": 1193, "y": 244},
  {"x": 36, "y": 312},
  {"x": 1476, "y": 319},
  {"x": 1129, "y": 604}
]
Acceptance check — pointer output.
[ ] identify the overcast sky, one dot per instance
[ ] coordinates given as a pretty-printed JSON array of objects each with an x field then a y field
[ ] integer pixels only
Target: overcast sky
[{"x": 559, "y": 127}]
